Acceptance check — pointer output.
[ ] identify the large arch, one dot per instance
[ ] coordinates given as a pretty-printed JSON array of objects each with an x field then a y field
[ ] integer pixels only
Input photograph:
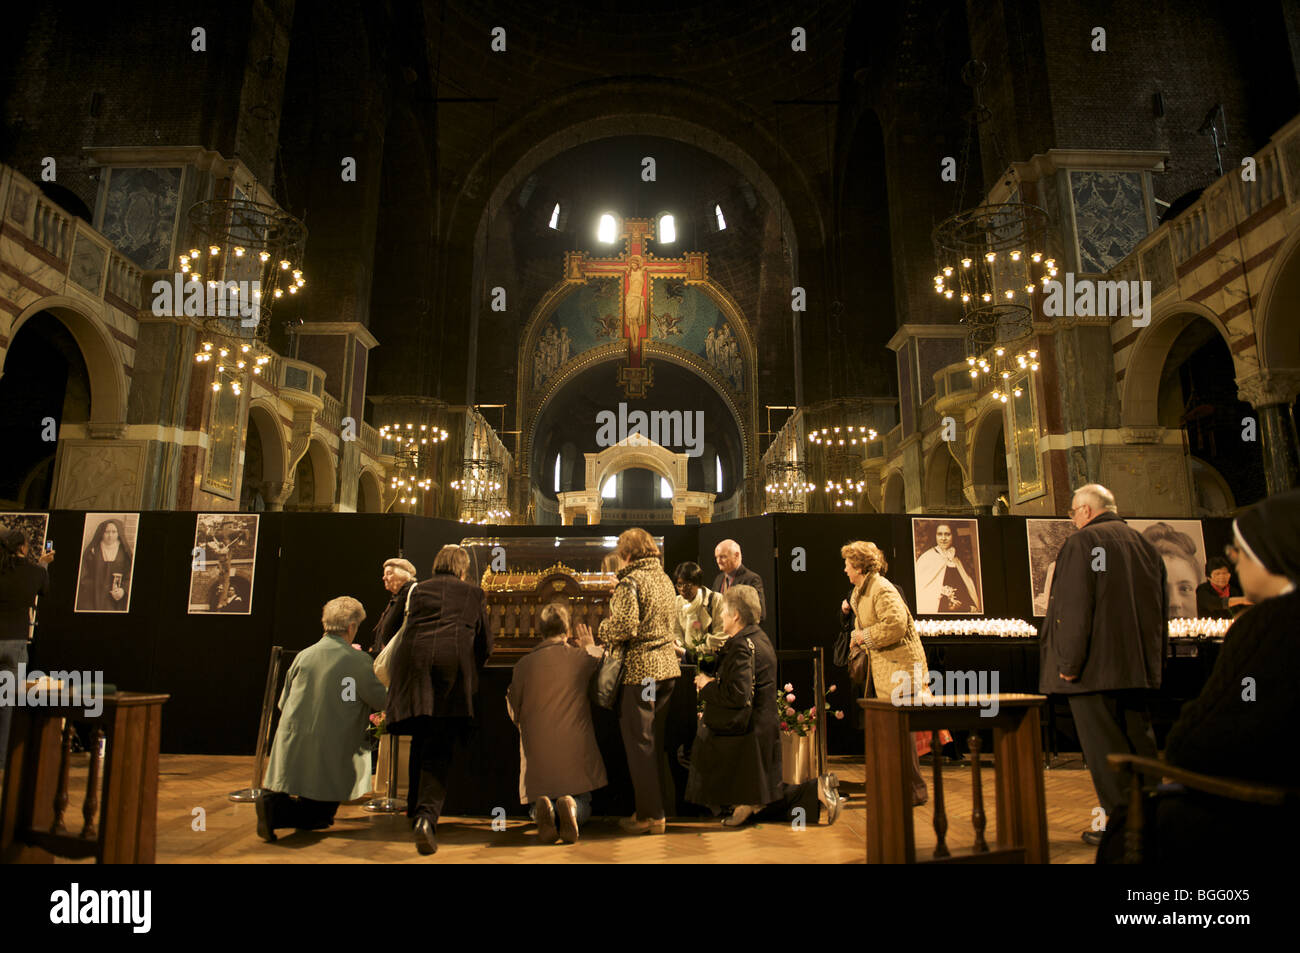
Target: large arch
[
  {"x": 988, "y": 445},
  {"x": 1139, "y": 396},
  {"x": 894, "y": 498},
  {"x": 599, "y": 110},
  {"x": 262, "y": 414},
  {"x": 108, "y": 384},
  {"x": 1277, "y": 339},
  {"x": 370, "y": 491}
]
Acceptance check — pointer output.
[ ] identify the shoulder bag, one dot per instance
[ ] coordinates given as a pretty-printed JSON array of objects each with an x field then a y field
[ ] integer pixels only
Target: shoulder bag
[
  {"x": 721, "y": 720},
  {"x": 609, "y": 675},
  {"x": 384, "y": 661}
]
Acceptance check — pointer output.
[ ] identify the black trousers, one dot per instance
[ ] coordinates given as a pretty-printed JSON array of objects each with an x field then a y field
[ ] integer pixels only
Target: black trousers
[
  {"x": 793, "y": 796},
  {"x": 300, "y": 813},
  {"x": 435, "y": 745},
  {"x": 641, "y": 724},
  {"x": 1112, "y": 723}
]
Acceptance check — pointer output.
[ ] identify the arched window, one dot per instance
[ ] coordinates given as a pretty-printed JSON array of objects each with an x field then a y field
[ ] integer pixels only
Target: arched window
[
  {"x": 608, "y": 230},
  {"x": 667, "y": 231},
  {"x": 665, "y": 489},
  {"x": 717, "y": 462},
  {"x": 555, "y": 217},
  {"x": 610, "y": 489},
  {"x": 557, "y": 473},
  {"x": 722, "y": 222}
]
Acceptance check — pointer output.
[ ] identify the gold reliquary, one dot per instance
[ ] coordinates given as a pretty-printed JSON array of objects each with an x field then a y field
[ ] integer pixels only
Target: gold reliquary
[{"x": 515, "y": 599}]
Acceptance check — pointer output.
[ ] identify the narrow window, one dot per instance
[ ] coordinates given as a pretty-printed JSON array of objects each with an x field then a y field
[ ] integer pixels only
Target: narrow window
[
  {"x": 557, "y": 473},
  {"x": 608, "y": 490},
  {"x": 667, "y": 229},
  {"x": 555, "y": 217},
  {"x": 608, "y": 229},
  {"x": 717, "y": 474},
  {"x": 665, "y": 489},
  {"x": 722, "y": 222}
]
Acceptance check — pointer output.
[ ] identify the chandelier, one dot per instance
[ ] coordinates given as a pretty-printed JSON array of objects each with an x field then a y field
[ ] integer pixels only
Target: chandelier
[
  {"x": 788, "y": 487},
  {"x": 409, "y": 430},
  {"x": 246, "y": 256},
  {"x": 843, "y": 481},
  {"x": 991, "y": 261},
  {"x": 481, "y": 487}
]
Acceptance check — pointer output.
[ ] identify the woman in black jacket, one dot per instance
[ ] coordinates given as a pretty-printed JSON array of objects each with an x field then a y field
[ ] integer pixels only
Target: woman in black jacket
[
  {"x": 435, "y": 673},
  {"x": 21, "y": 582},
  {"x": 736, "y": 759}
]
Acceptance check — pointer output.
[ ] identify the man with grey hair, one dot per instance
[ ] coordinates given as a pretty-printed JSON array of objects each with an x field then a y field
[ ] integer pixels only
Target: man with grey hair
[
  {"x": 731, "y": 572},
  {"x": 1104, "y": 637},
  {"x": 320, "y": 756}
]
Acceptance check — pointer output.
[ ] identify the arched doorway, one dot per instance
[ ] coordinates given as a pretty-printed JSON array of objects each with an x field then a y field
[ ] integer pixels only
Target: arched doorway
[
  {"x": 568, "y": 426},
  {"x": 1197, "y": 393},
  {"x": 370, "y": 495},
  {"x": 895, "y": 495},
  {"x": 943, "y": 483},
  {"x": 313, "y": 481},
  {"x": 45, "y": 387},
  {"x": 264, "y": 453},
  {"x": 988, "y": 463}
]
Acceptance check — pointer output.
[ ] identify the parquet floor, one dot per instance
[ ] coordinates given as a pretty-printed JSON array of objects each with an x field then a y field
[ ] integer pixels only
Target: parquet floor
[{"x": 227, "y": 833}]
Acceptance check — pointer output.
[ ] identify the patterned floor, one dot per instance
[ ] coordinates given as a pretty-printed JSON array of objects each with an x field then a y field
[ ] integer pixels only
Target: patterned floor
[{"x": 189, "y": 782}]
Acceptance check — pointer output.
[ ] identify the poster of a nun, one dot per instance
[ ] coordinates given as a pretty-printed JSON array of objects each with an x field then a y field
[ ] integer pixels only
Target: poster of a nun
[
  {"x": 947, "y": 567},
  {"x": 107, "y": 562}
]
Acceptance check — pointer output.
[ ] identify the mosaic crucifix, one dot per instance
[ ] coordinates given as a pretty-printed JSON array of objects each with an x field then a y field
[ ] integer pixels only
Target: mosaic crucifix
[{"x": 636, "y": 269}]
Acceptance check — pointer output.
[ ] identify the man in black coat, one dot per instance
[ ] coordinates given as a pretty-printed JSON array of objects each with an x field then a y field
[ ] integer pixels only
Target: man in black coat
[
  {"x": 1104, "y": 637},
  {"x": 732, "y": 573}
]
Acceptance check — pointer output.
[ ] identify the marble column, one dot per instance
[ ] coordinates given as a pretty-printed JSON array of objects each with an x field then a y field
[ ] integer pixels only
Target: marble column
[{"x": 1272, "y": 394}]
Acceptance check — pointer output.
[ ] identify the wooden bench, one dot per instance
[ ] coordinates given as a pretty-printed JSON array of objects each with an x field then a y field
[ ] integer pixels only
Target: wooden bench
[
  {"x": 1018, "y": 772},
  {"x": 117, "y": 828}
]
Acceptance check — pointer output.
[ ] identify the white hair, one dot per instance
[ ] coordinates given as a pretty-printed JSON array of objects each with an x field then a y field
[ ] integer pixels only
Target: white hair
[
  {"x": 743, "y": 601},
  {"x": 341, "y": 614},
  {"x": 1097, "y": 496}
]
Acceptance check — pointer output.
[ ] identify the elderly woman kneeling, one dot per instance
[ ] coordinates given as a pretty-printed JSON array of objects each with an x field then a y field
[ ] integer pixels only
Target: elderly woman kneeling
[{"x": 736, "y": 759}]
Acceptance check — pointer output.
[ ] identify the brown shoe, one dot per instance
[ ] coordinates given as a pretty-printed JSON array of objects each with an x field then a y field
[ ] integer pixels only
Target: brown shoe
[
  {"x": 544, "y": 814},
  {"x": 566, "y": 809}
]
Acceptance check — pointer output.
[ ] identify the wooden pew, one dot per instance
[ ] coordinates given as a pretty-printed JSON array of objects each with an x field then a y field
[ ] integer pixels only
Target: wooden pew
[{"x": 117, "y": 828}]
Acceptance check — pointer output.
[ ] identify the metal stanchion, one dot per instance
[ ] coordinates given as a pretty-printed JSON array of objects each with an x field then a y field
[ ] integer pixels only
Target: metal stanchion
[
  {"x": 388, "y": 804},
  {"x": 263, "y": 728},
  {"x": 819, "y": 689}
]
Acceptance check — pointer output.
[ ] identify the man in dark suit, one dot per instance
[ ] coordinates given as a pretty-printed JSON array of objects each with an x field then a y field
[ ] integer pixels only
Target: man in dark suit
[
  {"x": 1104, "y": 637},
  {"x": 732, "y": 573}
]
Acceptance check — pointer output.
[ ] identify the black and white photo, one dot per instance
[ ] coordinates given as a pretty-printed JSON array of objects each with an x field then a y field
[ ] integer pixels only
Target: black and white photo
[
  {"x": 108, "y": 555},
  {"x": 224, "y": 559},
  {"x": 947, "y": 554}
]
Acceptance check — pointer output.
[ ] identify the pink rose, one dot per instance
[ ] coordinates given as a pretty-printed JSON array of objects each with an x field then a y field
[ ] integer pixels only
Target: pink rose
[
  {"x": 789, "y": 712},
  {"x": 839, "y": 716},
  {"x": 831, "y": 689},
  {"x": 789, "y": 687},
  {"x": 789, "y": 698}
]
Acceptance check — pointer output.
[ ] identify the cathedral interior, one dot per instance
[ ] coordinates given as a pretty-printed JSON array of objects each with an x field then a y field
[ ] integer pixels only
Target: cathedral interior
[{"x": 389, "y": 275}]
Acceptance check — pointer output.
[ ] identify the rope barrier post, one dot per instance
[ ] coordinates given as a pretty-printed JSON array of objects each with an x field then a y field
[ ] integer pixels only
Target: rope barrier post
[
  {"x": 388, "y": 804},
  {"x": 263, "y": 727},
  {"x": 819, "y": 690}
]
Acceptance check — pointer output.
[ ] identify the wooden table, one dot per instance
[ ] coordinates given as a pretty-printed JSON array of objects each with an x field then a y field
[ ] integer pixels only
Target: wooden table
[{"x": 1018, "y": 769}]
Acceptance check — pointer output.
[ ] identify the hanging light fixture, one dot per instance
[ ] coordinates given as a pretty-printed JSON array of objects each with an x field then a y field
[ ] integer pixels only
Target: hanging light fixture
[
  {"x": 991, "y": 262},
  {"x": 240, "y": 287}
]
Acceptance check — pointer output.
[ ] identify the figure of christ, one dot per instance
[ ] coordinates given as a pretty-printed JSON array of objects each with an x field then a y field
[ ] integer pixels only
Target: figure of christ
[{"x": 634, "y": 300}]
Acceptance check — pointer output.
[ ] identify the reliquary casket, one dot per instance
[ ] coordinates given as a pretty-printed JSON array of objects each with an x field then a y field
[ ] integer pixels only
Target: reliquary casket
[{"x": 515, "y": 600}]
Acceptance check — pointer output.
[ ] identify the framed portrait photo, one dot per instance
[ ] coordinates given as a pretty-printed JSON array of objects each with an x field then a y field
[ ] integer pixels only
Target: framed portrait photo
[
  {"x": 106, "y": 571},
  {"x": 946, "y": 555},
  {"x": 223, "y": 564},
  {"x": 1046, "y": 537}
]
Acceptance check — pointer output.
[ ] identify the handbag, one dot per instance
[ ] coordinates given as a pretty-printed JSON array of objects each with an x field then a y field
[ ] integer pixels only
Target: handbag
[
  {"x": 384, "y": 661},
  {"x": 609, "y": 674},
  {"x": 844, "y": 654},
  {"x": 721, "y": 720}
]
